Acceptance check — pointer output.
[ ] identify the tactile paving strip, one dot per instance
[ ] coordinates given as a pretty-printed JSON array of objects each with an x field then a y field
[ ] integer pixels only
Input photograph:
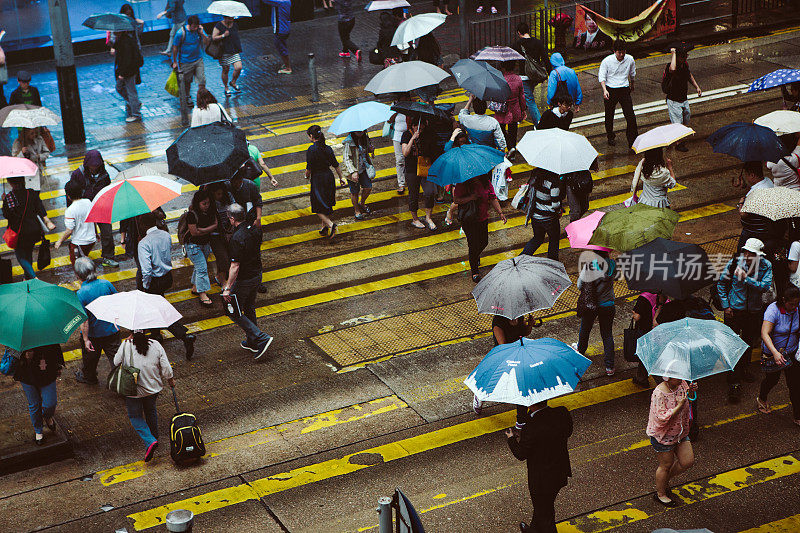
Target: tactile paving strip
[{"x": 421, "y": 329}]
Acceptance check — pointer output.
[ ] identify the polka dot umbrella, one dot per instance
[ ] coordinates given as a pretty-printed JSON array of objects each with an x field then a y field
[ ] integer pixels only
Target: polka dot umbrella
[{"x": 775, "y": 79}]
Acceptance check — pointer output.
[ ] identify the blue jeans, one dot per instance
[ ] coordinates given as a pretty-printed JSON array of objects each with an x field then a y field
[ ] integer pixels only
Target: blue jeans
[
  {"x": 25, "y": 258},
  {"x": 126, "y": 88},
  {"x": 245, "y": 291},
  {"x": 198, "y": 255},
  {"x": 41, "y": 403},
  {"x": 604, "y": 315},
  {"x": 530, "y": 100},
  {"x": 143, "y": 416}
]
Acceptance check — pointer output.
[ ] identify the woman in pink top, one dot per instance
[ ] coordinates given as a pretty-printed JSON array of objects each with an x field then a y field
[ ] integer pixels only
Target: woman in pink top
[
  {"x": 517, "y": 108},
  {"x": 668, "y": 429}
]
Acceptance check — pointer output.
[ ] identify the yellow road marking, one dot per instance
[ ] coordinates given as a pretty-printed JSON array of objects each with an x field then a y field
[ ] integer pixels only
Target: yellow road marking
[
  {"x": 358, "y": 461},
  {"x": 260, "y": 437},
  {"x": 786, "y": 525}
]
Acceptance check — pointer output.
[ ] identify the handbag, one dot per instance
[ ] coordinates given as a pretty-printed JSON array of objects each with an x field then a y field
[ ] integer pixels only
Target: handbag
[
  {"x": 214, "y": 49},
  {"x": 8, "y": 364},
  {"x": 497, "y": 107},
  {"x": 467, "y": 212},
  {"x": 534, "y": 70},
  {"x": 370, "y": 168},
  {"x": 43, "y": 257},
  {"x": 123, "y": 378},
  {"x": 388, "y": 129},
  {"x": 10, "y": 236},
  {"x": 629, "y": 338},
  {"x": 768, "y": 364},
  {"x": 423, "y": 164}
]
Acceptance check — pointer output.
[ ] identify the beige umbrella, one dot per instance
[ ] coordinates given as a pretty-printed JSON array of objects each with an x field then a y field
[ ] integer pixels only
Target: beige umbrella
[
  {"x": 146, "y": 169},
  {"x": 28, "y": 117},
  {"x": 775, "y": 203},
  {"x": 782, "y": 122}
]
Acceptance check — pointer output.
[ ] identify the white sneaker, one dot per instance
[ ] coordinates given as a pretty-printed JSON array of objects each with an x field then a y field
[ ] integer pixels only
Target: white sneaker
[
  {"x": 476, "y": 405},
  {"x": 574, "y": 346},
  {"x": 494, "y": 10}
]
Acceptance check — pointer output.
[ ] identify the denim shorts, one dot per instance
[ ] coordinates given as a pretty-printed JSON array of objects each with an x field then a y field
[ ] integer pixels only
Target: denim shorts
[
  {"x": 665, "y": 447},
  {"x": 363, "y": 183}
]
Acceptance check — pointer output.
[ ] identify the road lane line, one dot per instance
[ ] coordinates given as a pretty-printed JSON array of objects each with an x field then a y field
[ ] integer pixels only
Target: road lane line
[{"x": 790, "y": 524}]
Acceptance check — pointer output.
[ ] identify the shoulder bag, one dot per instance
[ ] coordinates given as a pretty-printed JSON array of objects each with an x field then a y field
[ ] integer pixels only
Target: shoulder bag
[
  {"x": 534, "y": 70},
  {"x": 768, "y": 363},
  {"x": 8, "y": 364},
  {"x": 214, "y": 49},
  {"x": 468, "y": 212},
  {"x": 10, "y": 236},
  {"x": 630, "y": 336},
  {"x": 423, "y": 164},
  {"x": 123, "y": 378},
  {"x": 587, "y": 298}
]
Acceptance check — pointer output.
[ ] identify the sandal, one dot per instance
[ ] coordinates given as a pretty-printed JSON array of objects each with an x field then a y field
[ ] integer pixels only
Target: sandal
[
  {"x": 323, "y": 231},
  {"x": 207, "y": 303},
  {"x": 670, "y": 503},
  {"x": 401, "y": 190},
  {"x": 764, "y": 407},
  {"x": 418, "y": 224},
  {"x": 333, "y": 231},
  {"x": 431, "y": 225}
]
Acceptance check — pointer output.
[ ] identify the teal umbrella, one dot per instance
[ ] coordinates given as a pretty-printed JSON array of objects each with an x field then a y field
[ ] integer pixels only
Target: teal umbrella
[
  {"x": 37, "y": 314},
  {"x": 630, "y": 227},
  {"x": 109, "y": 22},
  {"x": 462, "y": 163},
  {"x": 360, "y": 117},
  {"x": 690, "y": 349}
]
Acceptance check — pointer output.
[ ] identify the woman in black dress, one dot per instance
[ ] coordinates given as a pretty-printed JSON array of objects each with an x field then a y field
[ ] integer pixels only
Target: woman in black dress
[{"x": 319, "y": 160}]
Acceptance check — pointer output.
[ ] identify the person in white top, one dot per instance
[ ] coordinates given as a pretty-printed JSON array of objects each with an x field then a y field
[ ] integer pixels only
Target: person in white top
[
  {"x": 786, "y": 172},
  {"x": 480, "y": 122},
  {"x": 616, "y": 75},
  {"x": 154, "y": 369},
  {"x": 753, "y": 173},
  {"x": 400, "y": 128},
  {"x": 794, "y": 259},
  {"x": 83, "y": 233},
  {"x": 208, "y": 110}
]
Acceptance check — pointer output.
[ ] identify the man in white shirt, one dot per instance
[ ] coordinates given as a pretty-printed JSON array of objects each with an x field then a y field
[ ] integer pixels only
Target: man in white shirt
[
  {"x": 616, "y": 76},
  {"x": 754, "y": 177},
  {"x": 480, "y": 127},
  {"x": 82, "y": 233}
]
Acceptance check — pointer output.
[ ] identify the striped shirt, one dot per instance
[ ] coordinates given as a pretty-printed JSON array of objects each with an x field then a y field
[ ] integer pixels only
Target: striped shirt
[{"x": 545, "y": 195}]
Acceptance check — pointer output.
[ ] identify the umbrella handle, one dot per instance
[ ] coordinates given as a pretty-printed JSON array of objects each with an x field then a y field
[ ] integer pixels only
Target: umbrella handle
[{"x": 692, "y": 396}]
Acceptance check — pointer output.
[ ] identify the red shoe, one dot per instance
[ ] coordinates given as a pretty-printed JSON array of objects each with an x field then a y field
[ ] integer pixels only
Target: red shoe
[
  {"x": 344, "y": 54},
  {"x": 150, "y": 451}
]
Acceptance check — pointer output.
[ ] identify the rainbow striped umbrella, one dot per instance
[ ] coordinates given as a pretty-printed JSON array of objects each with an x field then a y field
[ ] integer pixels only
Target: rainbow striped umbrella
[{"x": 130, "y": 197}]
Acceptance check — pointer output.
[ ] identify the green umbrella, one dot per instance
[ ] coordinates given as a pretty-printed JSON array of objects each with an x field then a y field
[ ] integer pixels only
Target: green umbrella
[
  {"x": 631, "y": 227},
  {"x": 37, "y": 314}
]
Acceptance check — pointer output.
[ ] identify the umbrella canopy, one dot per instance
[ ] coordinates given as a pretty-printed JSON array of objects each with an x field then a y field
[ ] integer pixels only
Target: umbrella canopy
[
  {"x": 36, "y": 313},
  {"x": 405, "y": 77},
  {"x": 481, "y": 79},
  {"x": 415, "y": 27},
  {"x": 690, "y": 349},
  {"x": 660, "y": 137},
  {"x": 109, "y": 22},
  {"x": 497, "y": 53},
  {"x": 360, "y": 117},
  {"x": 675, "y": 268},
  {"x": 580, "y": 231},
  {"x": 775, "y": 203},
  {"x": 782, "y": 122},
  {"x": 775, "y": 79},
  {"x": 130, "y": 197},
  {"x": 415, "y": 109},
  {"x": 527, "y": 372},
  {"x": 557, "y": 150},
  {"x": 378, "y": 5},
  {"x": 135, "y": 310},
  {"x": 521, "y": 285},
  {"x": 746, "y": 142},
  {"x": 630, "y": 227},
  {"x": 29, "y": 117},
  {"x": 146, "y": 169},
  {"x": 209, "y": 153},
  {"x": 229, "y": 8},
  {"x": 462, "y": 163},
  {"x": 11, "y": 167}
]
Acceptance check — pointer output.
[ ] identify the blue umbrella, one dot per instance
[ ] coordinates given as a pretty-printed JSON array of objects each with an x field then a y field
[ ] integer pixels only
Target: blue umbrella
[
  {"x": 109, "y": 22},
  {"x": 527, "y": 372},
  {"x": 360, "y": 117},
  {"x": 459, "y": 164},
  {"x": 747, "y": 142},
  {"x": 774, "y": 79},
  {"x": 690, "y": 349}
]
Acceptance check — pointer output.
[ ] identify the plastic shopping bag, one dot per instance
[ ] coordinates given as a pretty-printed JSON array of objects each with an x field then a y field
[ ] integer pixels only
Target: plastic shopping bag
[
  {"x": 499, "y": 181},
  {"x": 172, "y": 84}
]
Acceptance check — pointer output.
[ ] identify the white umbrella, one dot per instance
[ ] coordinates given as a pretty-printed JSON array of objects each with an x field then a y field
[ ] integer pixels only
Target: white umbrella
[
  {"x": 660, "y": 137},
  {"x": 416, "y": 27},
  {"x": 404, "y": 77},
  {"x": 377, "y": 5},
  {"x": 146, "y": 169},
  {"x": 31, "y": 118},
  {"x": 135, "y": 310},
  {"x": 229, "y": 8},
  {"x": 557, "y": 150},
  {"x": 782, "y": 122}
]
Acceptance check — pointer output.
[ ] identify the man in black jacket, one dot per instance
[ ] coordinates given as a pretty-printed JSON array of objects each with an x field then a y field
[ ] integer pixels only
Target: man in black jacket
[
  {"x": 92, "y": 176},
  {"x": 559, "y": 116},
  {"x": 533, "y": 49},
  {"x": 25, "y": 93},
  {"x": 127, "y": 62},
  {"x": 543, "y": 443}
]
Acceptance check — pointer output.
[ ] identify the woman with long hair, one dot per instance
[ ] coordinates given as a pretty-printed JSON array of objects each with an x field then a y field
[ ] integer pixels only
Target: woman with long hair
[
  {"x": 150, "y": 358},
  {"x": 475, "y": 219},
  {"x": 319, "y": 161},
  {"x": 357, "y": 150},
  {"x": 21, "y": 206},
  {"x": 516, "y": 106},
  {"x": 226, "y": 32},
  {"x": 31, "y": 145},
  {"x": 657, "y": 177},
  {"x": 201, "y": 223},
  {"x": 37, "y": 371},
  {"x": 417, "y": 163},
  {"x": 208, "y": 110}
]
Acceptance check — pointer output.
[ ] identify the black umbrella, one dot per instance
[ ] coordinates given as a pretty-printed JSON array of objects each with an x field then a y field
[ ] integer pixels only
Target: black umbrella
[
  {"x": 109, "y": 22},
  {"x": 746, "y": 142},
  {"x": 481, "y": 79},
  {"x": 209, "y": 153},
  {"x": 675, "y": 268},
  {"x": 420, "y": 108}
]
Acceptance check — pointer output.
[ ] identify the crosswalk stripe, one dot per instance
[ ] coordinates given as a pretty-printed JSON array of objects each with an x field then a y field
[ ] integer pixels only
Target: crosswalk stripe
[{"x": 790, "y": 524}]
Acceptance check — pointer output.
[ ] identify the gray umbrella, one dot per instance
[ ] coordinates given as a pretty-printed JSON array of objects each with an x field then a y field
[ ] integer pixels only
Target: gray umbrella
[
  {"x": 521, "y": 285},
  {"x": 404, "y": 77},
  {"x": 109, "y": 22},
  {"x": 481, "y": 79}
]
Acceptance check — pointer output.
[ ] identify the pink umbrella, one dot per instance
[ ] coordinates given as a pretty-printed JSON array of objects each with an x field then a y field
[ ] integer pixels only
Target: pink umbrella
[
  {"x": 16, "y": 166},
  {"x": 580, "y": 231}
]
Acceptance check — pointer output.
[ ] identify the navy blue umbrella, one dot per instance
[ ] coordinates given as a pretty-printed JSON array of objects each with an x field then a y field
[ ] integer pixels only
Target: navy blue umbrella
[
  {"x": 459, "y": 164},
  {"x": 747, "y": 142}
]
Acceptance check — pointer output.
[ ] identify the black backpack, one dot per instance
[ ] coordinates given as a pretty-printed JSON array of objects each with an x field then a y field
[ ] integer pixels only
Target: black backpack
[
  {"x": 185, "y": 440},
  {"x": 561, "y": 86}
]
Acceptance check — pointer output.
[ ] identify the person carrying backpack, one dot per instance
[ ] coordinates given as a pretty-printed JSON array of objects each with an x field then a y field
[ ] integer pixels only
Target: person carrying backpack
[
  {"x": 674, "y": 83},
  {"x": 563, "y": 79}
]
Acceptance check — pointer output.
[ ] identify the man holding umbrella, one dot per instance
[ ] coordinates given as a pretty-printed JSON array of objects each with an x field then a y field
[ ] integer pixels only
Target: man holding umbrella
[
  {"x": 127, "y": 62},
  {"x": 91, "y": 177},
  {"x": 675, "y": 85}
]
